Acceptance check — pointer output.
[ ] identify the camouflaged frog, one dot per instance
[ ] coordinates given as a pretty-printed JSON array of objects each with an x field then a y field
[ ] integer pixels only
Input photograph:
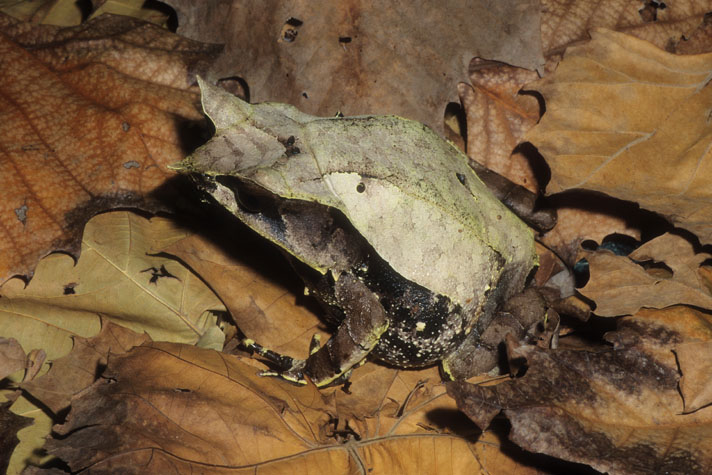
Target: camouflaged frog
[{"x": 386, "y": 223}]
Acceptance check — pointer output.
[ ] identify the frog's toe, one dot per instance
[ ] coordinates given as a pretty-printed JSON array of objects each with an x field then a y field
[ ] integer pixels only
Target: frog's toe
[{"x": 286, "y": 367}]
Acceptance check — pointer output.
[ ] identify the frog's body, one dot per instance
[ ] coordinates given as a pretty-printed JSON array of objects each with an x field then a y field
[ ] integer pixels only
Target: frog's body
[{"x": 391, "y": 229}]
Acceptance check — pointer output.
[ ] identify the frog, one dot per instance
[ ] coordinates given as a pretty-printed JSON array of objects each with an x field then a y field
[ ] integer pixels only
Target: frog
[{"x": 408, "y": 252}]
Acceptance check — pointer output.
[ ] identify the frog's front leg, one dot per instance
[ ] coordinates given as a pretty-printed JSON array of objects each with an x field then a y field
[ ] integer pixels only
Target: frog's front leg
[{"x": 364, "y": 323}]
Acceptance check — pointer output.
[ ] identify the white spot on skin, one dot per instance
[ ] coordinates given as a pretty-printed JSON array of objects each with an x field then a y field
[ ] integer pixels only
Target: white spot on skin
[{"x": 420, "y": 326}]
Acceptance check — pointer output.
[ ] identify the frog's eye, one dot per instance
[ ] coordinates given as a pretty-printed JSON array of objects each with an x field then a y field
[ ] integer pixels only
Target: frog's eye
[
  {"x": 361, "y": 187},
  {"x": 461, "y": 178}
]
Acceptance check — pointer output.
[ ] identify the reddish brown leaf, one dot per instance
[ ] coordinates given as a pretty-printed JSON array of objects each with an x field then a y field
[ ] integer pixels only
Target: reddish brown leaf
[
  {"x": 664, "y": 24},
  {"x": 91, "y": 117},
  {"x": 498, "y": 117},
  {"x": 618, "y": 409},
  {"x": 361, "y": 57}
]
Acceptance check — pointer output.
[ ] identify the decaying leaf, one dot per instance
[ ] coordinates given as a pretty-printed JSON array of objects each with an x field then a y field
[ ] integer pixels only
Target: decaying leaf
[
  {"x": 10, "y": 424},
  {"x": 81, "y": 367},
  {"x": 113, "y": 279},
  {"x": 630, "y": 120},
  {"x": 362, "y": 58},
  {"x": 91, "y": 116},
  {"x": 617, "y": 409},
  {"x": 32, "y": 438},
  {"x": 695, "y": 361},
  {"x": 619, "y": 285}
]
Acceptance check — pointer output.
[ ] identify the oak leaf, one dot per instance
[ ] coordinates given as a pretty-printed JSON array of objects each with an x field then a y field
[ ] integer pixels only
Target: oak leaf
[
  {"x": 114, "y": 279},
  {"x": 81, "y": 367},
  {"x": 619, "y": 285}
]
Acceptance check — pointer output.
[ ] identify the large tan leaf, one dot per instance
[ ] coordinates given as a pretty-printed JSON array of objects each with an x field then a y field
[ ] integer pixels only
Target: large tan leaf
[
  {"x": 360, "y": 56},
  {"x": 113, "y": 279},
  {"x": 182, "y": 408},
  {"x": 617, "y": 409},
  {"x": 629, "y": 120},
  {"x": 498, "y": 117},
  {"x": 91, "y": 115}
]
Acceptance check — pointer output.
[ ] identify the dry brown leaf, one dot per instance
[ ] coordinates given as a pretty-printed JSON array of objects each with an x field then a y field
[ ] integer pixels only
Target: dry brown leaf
[
  {"x": 183, "y": 407},
  {"x": 80, "y": 368},
  {"x": 618, "y": 410},
  {"x": 699, "y": 41},
  {"x": 620, "y": 286},
  {"x": 114, "y": 279},
  {"x": 360, "y": 57},
  {"x": 664, "y": 24},
  {"x": 12, "y": 357},
  {"x": 695, "y": 360},
  {"x": 498, "y": 117},
  {"x": 256, "y": 284},
  {"x": 582, "y": 216},
  {"x": 629, "y": 120},
  {"x": 91, "y": 117}
]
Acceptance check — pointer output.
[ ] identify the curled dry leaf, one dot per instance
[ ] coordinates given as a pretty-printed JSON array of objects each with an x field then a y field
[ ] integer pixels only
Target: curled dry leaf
[
  {"x": 620, "y": 286},
  {"x": 91, "y": 117},
  {"x": 695, "y": 360},
  {"x": 173, "y": 406},
  {"x": 498, "y": 117},
  {"x": 361, "y": 58},
  {"x": 618, "y": 410},
  {"x": 114, "y": 278},
  {"x": 12, "y": 357},
  {"x": 630, "y": 120}
]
